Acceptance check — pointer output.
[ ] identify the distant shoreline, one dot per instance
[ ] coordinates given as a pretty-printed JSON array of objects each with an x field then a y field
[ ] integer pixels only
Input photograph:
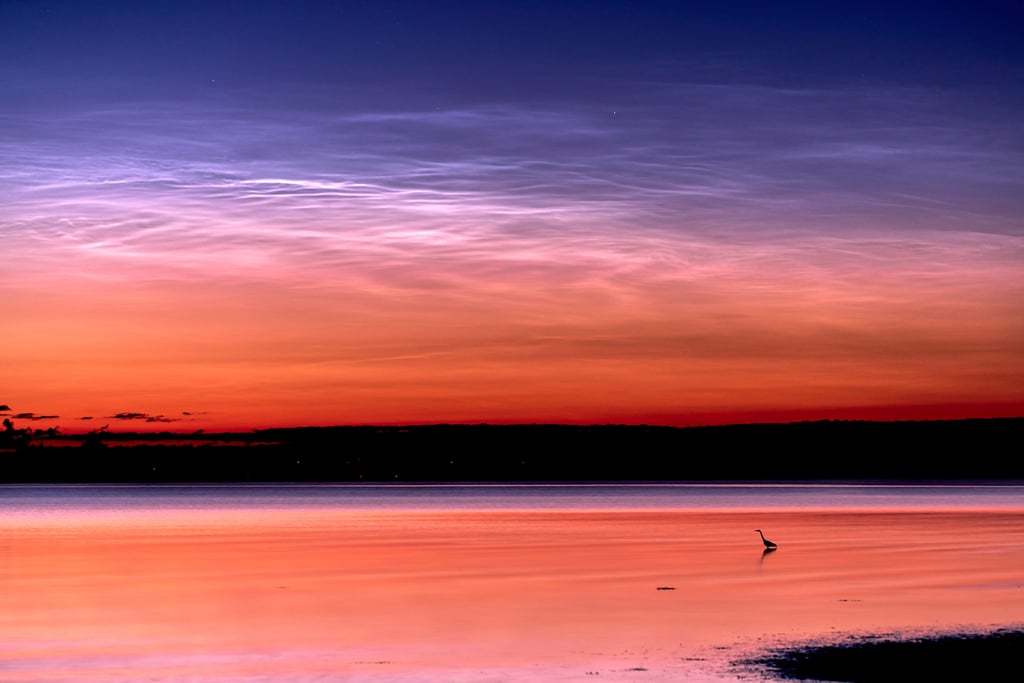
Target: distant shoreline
[
  {"x": 958, "y": 656},
  {"x": 940, "y": 450}
]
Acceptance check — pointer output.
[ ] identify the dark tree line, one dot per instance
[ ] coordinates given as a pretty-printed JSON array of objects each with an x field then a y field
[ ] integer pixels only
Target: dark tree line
[{"x": 925, "y": 450}]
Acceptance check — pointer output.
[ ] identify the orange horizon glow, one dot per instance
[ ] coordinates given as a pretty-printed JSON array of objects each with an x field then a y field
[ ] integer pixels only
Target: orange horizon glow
[
  {"x": 909, "y": 340},
  {"x": 866, "y": 334},
  {"x": 186, "y": 425}
]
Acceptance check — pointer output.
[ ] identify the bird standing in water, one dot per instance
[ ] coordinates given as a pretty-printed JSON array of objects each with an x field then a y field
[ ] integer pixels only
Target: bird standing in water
[{"x": 768, "y": 545}]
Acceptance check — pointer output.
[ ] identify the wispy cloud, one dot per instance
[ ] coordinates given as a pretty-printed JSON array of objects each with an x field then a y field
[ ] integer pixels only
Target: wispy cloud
[
  {"x": 145, "y": 417},
  {"x": 34, "y": 417},
  {"x": 346, "y": 189}
]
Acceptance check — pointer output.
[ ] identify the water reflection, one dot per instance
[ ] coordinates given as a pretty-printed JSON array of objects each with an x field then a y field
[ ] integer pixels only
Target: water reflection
[
  {"x": 38, "y": 499},
  {"x": 267, "y": 590}
]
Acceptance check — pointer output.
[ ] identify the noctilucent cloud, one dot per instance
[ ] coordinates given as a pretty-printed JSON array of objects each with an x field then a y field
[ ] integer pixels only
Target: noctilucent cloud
[{"x": 251, "y": 214}]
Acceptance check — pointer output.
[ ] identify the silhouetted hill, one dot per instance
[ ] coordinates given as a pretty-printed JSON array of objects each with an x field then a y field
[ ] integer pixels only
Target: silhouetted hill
[{"x": 913, "y": 450}]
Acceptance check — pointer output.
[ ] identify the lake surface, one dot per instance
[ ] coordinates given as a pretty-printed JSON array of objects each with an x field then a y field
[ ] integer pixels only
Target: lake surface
[{"x": 485, "y": 583}]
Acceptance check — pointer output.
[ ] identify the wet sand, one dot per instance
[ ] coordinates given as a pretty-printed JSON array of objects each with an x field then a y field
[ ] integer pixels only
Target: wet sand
[{"x": 944, "y": 657}]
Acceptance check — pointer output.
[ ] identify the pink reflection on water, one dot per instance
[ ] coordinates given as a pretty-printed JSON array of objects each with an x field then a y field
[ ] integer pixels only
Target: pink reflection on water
[{"x": 323, "y": 594}]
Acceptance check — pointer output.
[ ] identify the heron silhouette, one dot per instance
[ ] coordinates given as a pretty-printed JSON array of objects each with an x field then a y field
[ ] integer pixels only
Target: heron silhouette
[{"x": 768, "y": 545}]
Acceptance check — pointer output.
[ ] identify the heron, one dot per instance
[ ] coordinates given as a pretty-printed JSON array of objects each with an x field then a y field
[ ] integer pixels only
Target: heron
[{"x": 767, "y": 544}]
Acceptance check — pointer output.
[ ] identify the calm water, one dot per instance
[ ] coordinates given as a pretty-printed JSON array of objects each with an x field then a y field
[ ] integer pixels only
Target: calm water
[{"x": 485, "y": 583}]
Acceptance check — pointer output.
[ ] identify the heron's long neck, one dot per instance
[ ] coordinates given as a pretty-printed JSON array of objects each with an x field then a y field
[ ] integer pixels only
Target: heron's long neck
[{"x": 762, "y": 534}]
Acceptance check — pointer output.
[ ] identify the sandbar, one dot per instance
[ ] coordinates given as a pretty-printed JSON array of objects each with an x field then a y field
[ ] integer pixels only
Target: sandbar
[{"x": 959, "y": 656}]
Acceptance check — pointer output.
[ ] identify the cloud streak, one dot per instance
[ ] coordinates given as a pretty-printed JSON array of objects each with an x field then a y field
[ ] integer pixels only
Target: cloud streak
[{"x": 681, "y": 161}]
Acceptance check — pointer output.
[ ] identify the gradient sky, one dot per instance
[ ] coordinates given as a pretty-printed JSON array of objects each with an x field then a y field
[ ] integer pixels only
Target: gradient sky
[{"x": 250, "y": 214}]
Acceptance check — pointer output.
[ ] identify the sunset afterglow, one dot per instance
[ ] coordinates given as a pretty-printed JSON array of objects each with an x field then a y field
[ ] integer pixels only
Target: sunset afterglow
[{"x": 348, "y": 214}]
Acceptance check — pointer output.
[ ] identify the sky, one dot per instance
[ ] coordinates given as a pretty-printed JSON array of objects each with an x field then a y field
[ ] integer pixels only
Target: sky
[{"x": 236, "y": 215}]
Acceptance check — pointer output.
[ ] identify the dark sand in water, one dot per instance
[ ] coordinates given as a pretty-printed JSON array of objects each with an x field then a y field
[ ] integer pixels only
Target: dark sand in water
[{"x": 952, "y": 657}]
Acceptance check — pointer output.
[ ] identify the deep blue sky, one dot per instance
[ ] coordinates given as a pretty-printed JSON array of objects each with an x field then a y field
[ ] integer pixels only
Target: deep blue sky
[
  {"x": 508, "y": 49},
  {"x": 865, "y": 101}
]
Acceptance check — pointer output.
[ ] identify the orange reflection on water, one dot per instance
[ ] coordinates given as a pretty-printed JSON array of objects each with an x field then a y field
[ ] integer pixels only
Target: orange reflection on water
[{"x": 292, "y": 595}]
